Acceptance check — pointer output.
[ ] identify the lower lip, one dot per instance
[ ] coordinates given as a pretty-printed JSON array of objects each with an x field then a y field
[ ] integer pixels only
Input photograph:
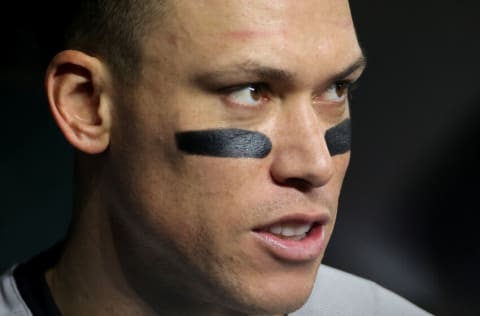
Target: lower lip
[{"x": 307, "y": 249}]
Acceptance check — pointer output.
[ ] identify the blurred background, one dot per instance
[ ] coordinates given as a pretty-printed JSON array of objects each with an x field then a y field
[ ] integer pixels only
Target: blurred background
[{"x": 409, "y": 206}]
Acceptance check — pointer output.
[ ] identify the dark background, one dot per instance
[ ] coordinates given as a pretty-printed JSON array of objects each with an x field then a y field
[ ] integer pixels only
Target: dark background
[{"x": 408, "y": 213}]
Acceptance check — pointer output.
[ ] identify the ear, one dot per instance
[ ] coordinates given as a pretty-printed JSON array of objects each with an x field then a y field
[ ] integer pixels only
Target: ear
[{"x": 80, "y": 97}]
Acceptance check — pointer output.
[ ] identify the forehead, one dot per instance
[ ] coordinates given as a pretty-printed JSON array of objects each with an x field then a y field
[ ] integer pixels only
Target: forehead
[
  {"x": 266, "y": 14},
  {"x": 285, "y": 32}
]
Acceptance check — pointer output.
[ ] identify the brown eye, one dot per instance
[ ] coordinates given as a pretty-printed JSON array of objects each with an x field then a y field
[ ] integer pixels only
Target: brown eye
[
  {"x": 337, "y": 92},
  {"x": 341, "y": 89},
  {"x": 249, "y": 96}
]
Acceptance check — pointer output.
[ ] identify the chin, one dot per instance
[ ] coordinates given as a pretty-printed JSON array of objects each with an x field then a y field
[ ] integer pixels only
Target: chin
[
  {"x": 275, "y": 305},
  {"x": 277, "y": 294},
  {"x": 287, "y": 297}
]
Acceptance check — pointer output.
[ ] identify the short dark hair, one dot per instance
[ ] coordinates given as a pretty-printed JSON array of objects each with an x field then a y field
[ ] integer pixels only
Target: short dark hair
[{"x": 111, "y": 30}]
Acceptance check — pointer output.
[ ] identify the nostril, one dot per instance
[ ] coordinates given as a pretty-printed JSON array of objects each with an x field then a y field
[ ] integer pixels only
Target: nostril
[{"x": 300, "y": 184}]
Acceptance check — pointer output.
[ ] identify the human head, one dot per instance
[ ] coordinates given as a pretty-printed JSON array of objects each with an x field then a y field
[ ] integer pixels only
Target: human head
[{"x": 196, "y": 224}]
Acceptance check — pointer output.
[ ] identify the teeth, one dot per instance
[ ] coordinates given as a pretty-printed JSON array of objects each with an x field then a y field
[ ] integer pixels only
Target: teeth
[
  {"x": 299, "y": 237},
  {"x": 303, "y": 229},
  {"x": 288, "y": 231},
  {"x": 277, "y": 229},
  {"x": 291, "y": 231}
]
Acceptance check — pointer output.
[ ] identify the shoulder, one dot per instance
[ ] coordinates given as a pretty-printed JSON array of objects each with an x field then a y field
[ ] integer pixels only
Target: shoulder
[
  {"x": 337, "y": 293},
  {"x": 11, "y": 302}
]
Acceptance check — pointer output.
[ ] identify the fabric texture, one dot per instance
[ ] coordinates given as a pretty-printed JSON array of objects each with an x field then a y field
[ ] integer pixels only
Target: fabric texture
[
  {"x": 11, "y": 302},
  {"x": 337, "y": 293},
  {"x": 24, "y": 292}
]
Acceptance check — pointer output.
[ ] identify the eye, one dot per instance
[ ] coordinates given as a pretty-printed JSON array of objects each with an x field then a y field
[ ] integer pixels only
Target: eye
[
  {"x": 249, "y": 96},
  {"x": 338, "y": 92}
]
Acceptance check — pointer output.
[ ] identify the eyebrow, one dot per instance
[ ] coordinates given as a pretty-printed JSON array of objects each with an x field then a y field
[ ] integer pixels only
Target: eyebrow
[
  {"x": 265, "y": 73},
  {"x": 248, "y": 69},
  {"x": 359, "y": 64}
]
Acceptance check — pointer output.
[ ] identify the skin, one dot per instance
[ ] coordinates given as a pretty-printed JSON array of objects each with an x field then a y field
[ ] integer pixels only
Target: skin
[{"x": 157, "y": 231}]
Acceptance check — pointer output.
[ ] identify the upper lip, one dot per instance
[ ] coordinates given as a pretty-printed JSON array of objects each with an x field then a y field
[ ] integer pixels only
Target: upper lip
[{"x": 300, "y": 218}]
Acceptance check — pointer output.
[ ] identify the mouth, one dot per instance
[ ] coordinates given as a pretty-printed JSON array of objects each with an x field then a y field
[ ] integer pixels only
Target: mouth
[
  {"x": 294, "y": 238},
  {"x": 291, "y": 231}
]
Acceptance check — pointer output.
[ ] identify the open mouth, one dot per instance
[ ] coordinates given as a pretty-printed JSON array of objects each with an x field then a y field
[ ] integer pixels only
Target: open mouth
[
  {"x": 295, "y": 238},
  {"x": 295, "y": 231}
]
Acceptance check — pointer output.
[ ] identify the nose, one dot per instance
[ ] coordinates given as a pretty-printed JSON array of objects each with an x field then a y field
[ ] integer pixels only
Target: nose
[{"x": 301, "y": 158}]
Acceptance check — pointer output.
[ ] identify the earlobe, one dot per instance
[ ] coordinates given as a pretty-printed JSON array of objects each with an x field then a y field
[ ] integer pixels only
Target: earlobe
[{"x": 79, "y": 95}]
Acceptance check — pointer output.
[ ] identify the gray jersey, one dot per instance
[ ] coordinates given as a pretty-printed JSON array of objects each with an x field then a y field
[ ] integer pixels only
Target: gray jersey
[{"x": 337, "y": 293}]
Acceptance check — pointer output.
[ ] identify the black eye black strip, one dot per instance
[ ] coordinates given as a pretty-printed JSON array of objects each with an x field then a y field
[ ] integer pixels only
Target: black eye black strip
[
  {"x": 339, "y": 138},
  {"x": 239, "y": 143},
  {"x": 232, "y": 143}
]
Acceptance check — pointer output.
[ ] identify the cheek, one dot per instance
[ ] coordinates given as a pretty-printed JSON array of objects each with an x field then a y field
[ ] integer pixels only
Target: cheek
[
  {"x": 222, "y": 192},
  {"x": 219, "y": 170},
  {"x": 334, "y": 187},
  {"x": 221, "y": 183},
  {"x": 341, "y": 163},
  {"x": 200, "y": 195},
  {"x": 206, "y": 208}
]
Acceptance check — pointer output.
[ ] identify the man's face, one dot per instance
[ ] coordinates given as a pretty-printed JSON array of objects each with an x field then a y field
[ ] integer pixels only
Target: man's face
[{"x": 208, "y": 225}]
